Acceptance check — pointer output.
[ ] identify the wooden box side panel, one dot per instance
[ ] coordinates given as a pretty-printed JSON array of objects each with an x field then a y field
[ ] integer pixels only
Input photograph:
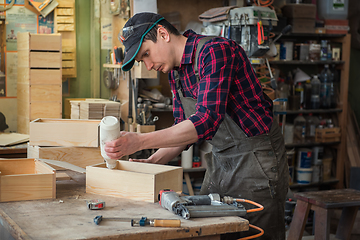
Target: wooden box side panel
[
  {"x": 41, "y": 167},
  {"x": 23, "y": 40},
  {"x": 122, "y": 184},
  {"x": 45, "y": 92},
  {"x": 23, "y": 75},
  {"x": 17, "y": 166},
  {"x": 23, "y": 58},
  {"x": 23, "y": 93},
  {"x": 42, "y": 76},
  {"x": 169, "y": 180},
  {"x": 26, "y": 187},
  {"x": 45, "y": 60},
  {"x": 23, "y": 124},
  {"x": 78, "y": 156},
  {"x": 146, "y": 168},
  {"x": 66, "y": 133},
  {"x": 45, "y": 109},
  {"x": 50, "y": 42}
]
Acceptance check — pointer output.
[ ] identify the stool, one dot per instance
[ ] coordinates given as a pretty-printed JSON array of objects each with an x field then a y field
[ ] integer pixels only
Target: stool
[{"x": 322, "y": 202}]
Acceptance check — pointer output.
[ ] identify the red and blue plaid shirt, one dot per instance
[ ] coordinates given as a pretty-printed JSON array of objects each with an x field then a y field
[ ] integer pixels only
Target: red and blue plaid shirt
[{"x": 227, "y": 85}]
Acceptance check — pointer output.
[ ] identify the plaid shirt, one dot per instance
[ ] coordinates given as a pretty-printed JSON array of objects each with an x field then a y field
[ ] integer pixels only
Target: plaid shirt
[{"x": 227, "y": 85}]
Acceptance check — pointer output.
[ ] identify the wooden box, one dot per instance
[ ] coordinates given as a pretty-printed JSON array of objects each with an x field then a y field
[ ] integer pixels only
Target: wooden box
[
  {"x": 64, "y": 132},
  {"x": 327, "y": 135},
  {"x": 145, "y": 128},
  {"x": 133, "y": 180},
  {"x": 78, "y": 156},
  {"x": 299, "y": 10},
  {"x": 26, "y": 179}
]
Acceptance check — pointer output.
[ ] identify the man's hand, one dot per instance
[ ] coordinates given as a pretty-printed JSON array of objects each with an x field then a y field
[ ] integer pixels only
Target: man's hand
[{"x": 126, "y": 144}]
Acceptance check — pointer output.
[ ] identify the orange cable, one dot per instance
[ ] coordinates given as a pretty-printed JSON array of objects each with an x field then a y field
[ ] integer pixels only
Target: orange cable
[
  {"x": 253, "y": 236},
  {"x": 261, "y": 207}
]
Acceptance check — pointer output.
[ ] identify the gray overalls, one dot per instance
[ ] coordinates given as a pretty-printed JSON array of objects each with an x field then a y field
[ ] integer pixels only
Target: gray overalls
[{"x": 253, "y": 168}]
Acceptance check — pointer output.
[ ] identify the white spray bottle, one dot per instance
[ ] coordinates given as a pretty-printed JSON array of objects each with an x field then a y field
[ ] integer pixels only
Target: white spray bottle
[{"x": 109, "y": 130}]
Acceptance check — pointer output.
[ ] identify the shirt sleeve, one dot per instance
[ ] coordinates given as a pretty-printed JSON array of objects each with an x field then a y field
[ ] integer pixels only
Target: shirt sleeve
[{"x": 217, "y": 68}]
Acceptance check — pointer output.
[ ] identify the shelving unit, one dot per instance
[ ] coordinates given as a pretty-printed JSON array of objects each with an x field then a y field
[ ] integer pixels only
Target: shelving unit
[{"x": 341, "y": 110}]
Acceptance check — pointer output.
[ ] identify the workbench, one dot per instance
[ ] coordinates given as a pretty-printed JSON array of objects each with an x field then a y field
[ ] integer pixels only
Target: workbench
[{"x": 67, "y": 217}]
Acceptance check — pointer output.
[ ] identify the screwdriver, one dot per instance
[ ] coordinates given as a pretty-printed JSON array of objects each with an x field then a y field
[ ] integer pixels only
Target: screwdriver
[{"x": 144, "y": 221}]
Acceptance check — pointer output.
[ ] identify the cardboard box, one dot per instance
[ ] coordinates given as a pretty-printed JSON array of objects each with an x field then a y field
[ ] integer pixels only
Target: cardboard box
[
  {"x": 327, "y": 135},
  {"x": 302, "y": 25},
  {"x": 337, "y": 26},
  {"x": 133, "y": 180},
  {"x": 26, "y": 179},
  {"x": 299, "y": 11},
  {"x": 64, "y": 132}
]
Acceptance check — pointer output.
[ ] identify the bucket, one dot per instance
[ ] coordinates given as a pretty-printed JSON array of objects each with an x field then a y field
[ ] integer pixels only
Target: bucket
[
  {"x": 304, "y": 158},
  {"x": 303, "y": 175}
]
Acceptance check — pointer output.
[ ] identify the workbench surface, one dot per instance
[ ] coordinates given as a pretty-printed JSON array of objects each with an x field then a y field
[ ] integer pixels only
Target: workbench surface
[{"x": 67, "y": 217}]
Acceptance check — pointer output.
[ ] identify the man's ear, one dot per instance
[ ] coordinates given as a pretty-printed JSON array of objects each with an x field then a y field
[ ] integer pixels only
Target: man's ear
[{"x": 163, "y": 34}]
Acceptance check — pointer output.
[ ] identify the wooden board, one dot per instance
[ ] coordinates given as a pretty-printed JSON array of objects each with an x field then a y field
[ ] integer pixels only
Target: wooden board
[
  {"x": 26, "y": 179},
  {"x": 43, "y": 42},
  {"x": 7, "y": 139},
  {"x": 64, "y": 132},
  {"x": 70, "y": 219},
  {"x": 143, "y": 181},
  {"x": 79, "y": 156}
]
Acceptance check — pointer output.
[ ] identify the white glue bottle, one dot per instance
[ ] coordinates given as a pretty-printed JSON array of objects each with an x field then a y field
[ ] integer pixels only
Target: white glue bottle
[{"x": 109, "y": 130}]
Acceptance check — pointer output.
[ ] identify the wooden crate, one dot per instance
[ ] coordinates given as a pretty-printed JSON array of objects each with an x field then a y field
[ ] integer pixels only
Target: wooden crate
[
  {"x": 39, "y": 78},
  {"x": 145, "y": 128},
  {"x": 327, "y": 135},
  {"x": 141, "y": 71},
  {"x": 26, "y": 179},
  {"x": 78, "y": 156},
  {"x": 64, "y": 132},
  {"x": 133, "y": 180}
]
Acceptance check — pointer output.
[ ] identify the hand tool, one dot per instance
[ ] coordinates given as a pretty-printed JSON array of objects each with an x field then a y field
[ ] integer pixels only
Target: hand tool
[
  {"x": 204, "y": 205},
  {"x": 144, "y": 221},
  {"x": 95, "y": 204}
]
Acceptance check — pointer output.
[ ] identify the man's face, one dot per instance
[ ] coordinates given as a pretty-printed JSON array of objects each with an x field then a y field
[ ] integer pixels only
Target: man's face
[{"x": 157, "y": 55}]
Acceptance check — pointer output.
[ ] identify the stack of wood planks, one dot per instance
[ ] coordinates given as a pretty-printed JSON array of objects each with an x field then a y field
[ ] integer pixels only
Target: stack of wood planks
[{"x": 94, "y": 109}]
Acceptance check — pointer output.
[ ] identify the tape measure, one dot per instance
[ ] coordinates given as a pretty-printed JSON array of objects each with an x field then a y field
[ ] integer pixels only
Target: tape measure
[{"x": 95, "y": 204}]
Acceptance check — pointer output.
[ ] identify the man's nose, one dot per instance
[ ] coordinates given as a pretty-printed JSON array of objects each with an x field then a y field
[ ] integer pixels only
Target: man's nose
[{"x": 148, "y": 65}]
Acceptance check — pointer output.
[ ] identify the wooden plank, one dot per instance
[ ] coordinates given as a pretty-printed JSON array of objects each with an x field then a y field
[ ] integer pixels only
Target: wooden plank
[
  {"x": 64, "y": 11},
  {"x": 66, "y": 3},
  {"x": 45, "y": 76},
  {"x": 65, "y": 27},
  {"x": 299, "y": 220},
  {"x": 322, "y": 223},
  {"x": 62, "y": 19},
  {"x": 60, "y": 176},
  {"x": 45, "y": 92},
  {"x": 12, "y": 138},
  {"x": 78, "y": 156},
  {"x": 64, "y": 132},
  {"x": 68, "y": 56},
  {"x": 143, "y": 180},
  {"x": 23, "y": 75},
  {"x": 45, "y": 60},
  {"x": 49, "y": 42},
  {"x": 23, "y": 93},
  {"x": 23, "y": 39},
  {"x": 23, "y": 58},
  {"x": 45, "y": 109},
  {"x": 68, "y": 64},
  {"x": 23, "y": 125}
]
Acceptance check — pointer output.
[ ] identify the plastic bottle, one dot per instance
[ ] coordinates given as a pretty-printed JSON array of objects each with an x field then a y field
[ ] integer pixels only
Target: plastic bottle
[
  {"x": 334, "y": 86},
  {"x": 299, "y": 129},
  {"x": 299, "y": 90},
  {"x": 282, "y": 90},
  {"x": 323, "y": 50},
  {"x": 325, "y": 87},
  {"x": 109, "y": 130},
  {"x": 315, "y": 92},
  {"x": 307, "y": 94},
  {"x": 311, "y": 124}
]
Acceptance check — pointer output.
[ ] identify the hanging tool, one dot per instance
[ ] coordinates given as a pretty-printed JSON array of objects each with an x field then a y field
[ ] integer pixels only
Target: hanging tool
[
  {"x": 95, "y": 204},
  {"x": 144, "y": 221}
]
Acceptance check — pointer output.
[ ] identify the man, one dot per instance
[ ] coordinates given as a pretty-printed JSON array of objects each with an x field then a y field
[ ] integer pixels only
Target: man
[{"x": 225, "y": 105}]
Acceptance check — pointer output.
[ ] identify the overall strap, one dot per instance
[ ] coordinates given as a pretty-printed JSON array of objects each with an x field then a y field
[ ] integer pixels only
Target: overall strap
[{"x": 198, "y": 47}]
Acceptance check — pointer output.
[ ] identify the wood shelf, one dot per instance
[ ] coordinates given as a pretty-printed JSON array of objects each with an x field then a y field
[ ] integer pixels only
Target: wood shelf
[
  {"x": 331, "y": 181},
  {"x": 307, "y": 111},
  {"x": 299, "y": 62},
  {"x": 109, "y": 65},
  {"x": 309, "y": 144}
]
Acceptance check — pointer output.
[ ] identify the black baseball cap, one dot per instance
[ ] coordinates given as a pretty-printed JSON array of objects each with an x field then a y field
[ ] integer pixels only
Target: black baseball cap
[{"x": 133, "y": 33}]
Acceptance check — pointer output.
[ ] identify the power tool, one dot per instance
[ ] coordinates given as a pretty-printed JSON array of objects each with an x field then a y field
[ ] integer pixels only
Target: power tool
[{"x": 200, "y": 205}]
